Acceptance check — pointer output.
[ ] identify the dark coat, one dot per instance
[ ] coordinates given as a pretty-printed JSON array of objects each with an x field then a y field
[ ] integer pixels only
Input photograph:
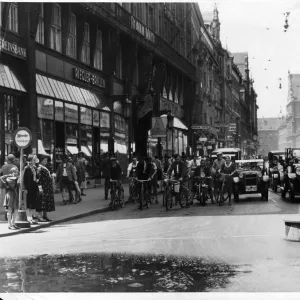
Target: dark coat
[
  {"x": 183, "y": 170},
  {"x": 70, "y": 172},
  {"x": 105, "y": 167}
]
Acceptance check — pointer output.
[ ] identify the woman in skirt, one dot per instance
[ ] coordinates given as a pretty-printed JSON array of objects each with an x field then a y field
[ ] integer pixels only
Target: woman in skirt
[
  {"x": 11, "y": 198},
  {"x": 46, "y": 196},
  {"x": 30, "y": 180}
]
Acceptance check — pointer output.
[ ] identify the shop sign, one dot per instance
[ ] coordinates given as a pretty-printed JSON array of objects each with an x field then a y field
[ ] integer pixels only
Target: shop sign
[
  {"x": 71, "y": 141},
  {"x": 142, "y": 29},
  {"x": 158, "y": 129},
  {"x": 96, "y": 119},
  {"x": 209, "y": 147},
  {"x": 71, "y": 113},
  {"x": 86, "y": 115},
  {"x": 104, "y": 120},
  {"x": 176, "y": 109},
  {"x": 89, "y": 77},
  {"x": 229, "y": 137},
  {"x": 212, "y": 141},
  {"x": 45, "y": 108},
  {"x": 199, "y": 146},
  {"x": 12, "y": 48},
  {"x": 148, "y": 106},
  {"x": 232, "y": 127}
]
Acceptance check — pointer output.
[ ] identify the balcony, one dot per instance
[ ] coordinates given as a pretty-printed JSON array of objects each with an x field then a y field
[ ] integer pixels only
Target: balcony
[{"x": 141, "y": 33}]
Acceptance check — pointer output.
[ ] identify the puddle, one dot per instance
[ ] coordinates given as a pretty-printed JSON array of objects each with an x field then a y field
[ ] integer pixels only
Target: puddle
[{"x": 111, "y": 273}]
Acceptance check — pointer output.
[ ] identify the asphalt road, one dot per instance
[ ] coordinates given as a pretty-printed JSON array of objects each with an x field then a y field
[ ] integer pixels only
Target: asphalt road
[{"x": 248, "y": 234}]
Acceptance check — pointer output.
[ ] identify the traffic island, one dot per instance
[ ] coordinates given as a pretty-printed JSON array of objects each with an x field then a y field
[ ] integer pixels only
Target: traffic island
[{"x": 292, "y": 229}]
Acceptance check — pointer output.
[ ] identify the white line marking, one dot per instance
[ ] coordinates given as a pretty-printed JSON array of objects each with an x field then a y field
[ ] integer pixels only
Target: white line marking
[{"x": 194, "y": 238}]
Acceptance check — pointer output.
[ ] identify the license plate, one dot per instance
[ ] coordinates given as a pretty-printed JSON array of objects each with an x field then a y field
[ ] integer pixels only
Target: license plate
[{"x": 251, "y": 188}]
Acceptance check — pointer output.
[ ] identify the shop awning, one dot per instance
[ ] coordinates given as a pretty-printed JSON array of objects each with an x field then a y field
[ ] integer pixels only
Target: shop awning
[
  {"x": 41, "y": 149},
  {"x": 63, "y": 91},
  {"x": 177, "y": 123},
  {"x": 8, "y": 79},
  {"x": 72, "y": 149},
  {"x": 86, "y": 151}
]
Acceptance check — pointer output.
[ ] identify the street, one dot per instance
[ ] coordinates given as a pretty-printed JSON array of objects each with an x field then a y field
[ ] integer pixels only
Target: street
[{"x": 248, "y": 236}]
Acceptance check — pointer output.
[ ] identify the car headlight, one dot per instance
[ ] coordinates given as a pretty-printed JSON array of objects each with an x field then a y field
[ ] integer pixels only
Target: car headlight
[{"x": 241, "y": 175}]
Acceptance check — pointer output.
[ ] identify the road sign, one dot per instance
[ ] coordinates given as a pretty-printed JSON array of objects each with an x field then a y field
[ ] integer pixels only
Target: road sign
[
  {"x": 158, "y": 129},
  {"x": 203, "y": 139},
  {"x": 22, "y": 137}
]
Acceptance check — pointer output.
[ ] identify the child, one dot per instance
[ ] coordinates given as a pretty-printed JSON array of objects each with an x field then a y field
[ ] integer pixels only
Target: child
[{"x": 11, "y": 198}]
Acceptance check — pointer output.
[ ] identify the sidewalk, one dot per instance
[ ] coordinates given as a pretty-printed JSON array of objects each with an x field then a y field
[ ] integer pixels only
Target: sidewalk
[{"x": 91, "y": 204}]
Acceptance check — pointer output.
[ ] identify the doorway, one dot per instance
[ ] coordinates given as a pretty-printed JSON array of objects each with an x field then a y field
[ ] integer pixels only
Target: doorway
[{"x": 59, "y": 143}]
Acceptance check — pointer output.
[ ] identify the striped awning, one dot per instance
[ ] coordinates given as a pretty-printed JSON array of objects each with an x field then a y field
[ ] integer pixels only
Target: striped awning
[
  {"x": 57, "y": 89},
  {"x": 8, "y": 79},
  {"x": 177, "y": 123}
]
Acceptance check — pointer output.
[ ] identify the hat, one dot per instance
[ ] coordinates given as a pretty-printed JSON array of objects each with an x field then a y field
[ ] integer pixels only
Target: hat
[
  {"x": 219, "y": 153},
  {"x": 80, "y": 152},
  {"x": 10, "y": 157}
]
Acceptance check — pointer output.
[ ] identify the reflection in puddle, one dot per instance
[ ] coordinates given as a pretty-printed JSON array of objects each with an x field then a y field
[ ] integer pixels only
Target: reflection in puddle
[{"x": 111, "y": 273}]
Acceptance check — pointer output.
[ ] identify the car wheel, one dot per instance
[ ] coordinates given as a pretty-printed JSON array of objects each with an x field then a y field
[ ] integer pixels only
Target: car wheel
[
  {"x": 292, "y": 193},
  {"x": 236, "y": 194}
]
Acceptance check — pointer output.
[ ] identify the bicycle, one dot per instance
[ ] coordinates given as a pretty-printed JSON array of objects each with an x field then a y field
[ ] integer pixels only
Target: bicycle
[
  {"x": 174, "y": 189},
  {"x": 133, "y": 192},
  {"x": 153, "y": 193},
  {"x": 224, "y": 193},
  {"x": 201, "y": 189},
  {"x": 116, "y": 198},
  {"x": 144, "y": 201}
]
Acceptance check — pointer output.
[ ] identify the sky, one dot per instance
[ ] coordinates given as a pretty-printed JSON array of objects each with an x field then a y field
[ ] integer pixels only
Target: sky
[{"x": 244, "y": 26}]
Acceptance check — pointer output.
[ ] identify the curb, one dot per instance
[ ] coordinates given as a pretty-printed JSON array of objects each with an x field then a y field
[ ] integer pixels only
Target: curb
[{"x": 79, "y": 216}]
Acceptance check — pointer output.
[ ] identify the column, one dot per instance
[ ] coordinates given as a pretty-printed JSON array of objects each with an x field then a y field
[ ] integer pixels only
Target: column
[{"x": 2, "y": 130}]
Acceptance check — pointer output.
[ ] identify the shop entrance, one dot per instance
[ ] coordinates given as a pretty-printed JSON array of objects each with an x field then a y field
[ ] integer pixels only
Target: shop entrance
[
  {"x": 96, "y": 150},
  {"x": 59, "y": 142}
]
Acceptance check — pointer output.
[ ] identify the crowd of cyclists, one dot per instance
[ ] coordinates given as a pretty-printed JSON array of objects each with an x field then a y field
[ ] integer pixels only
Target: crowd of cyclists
[{"x": 149, "y": 175}]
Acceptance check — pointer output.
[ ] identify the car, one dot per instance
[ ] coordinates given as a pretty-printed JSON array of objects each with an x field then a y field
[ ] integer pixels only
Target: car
[{"x": 249, "y": 179}]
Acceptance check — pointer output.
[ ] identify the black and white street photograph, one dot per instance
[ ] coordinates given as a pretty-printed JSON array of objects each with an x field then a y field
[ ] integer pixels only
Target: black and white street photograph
[{"x": 150, "y": 148}]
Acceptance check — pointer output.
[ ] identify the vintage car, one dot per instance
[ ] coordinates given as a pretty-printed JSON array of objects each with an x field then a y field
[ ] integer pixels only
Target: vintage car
[
  {"x": 249, "y": 179},
  {"x": 291, "y": 182}
]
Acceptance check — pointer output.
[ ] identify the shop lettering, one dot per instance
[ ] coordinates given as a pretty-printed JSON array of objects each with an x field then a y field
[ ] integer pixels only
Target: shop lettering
[
  {"x": 12, "y": 48},
  {"x": 142, "y": 29},
  {"x": 89, "y": 77}
]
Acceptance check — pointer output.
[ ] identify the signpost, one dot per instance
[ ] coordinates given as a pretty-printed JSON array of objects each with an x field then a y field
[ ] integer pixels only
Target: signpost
[{"x": 22, "y": 138}]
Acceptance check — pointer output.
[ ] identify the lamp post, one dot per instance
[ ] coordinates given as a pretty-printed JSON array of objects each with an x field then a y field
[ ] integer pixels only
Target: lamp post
[
  {"x": 170, "y": 125},
  {"x": 127, "y": 111}
]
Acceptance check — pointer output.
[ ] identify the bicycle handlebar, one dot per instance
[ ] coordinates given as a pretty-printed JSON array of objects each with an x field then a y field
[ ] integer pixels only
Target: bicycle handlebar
[{"x": 142, "y": 180}]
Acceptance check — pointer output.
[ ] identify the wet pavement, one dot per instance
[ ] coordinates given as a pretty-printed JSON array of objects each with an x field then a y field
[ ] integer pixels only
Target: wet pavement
[{"x": 112, "y": 273}]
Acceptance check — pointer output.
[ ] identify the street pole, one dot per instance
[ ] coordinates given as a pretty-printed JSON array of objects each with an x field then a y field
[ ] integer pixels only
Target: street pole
[{"x": 172, "y": 143}]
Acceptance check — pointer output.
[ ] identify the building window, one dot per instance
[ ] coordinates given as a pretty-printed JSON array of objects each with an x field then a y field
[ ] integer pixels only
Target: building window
[
  {"x": 85, "y": 54},
  {"x": 13, "y": 17},
  {"x": 40, "y": 30},
  {"x": 98, "y": 63},
  {"x": 150, "y": 17},
  {"x": 55, "y": 34},
  {"x": 71, "y": 46},
  {"x": 119, "y": 64},
  {"x": 165, "y": 29}
]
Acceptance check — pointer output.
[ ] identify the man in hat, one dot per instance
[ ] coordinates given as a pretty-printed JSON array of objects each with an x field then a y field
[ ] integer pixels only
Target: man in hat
[
  {"x": 105, "y": 169},
  {"x": 181, "y": 170},
  {"x": 115, "y": 173},
  {"x": 80, "y": 171},
  {"x": 66, "y": 175}
]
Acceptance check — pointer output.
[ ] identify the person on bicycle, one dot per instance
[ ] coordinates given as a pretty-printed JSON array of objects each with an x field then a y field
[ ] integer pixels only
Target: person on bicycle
[
  {"x": 153, "y": 172},
  {"x": 194, "y": 164},
  {"x": 132, "y": 167},
  {"x": 144, "y": 172},
  {"x": 204, "y": 168},
  {"x": 181, "y": 173},
  {"x": 228, "y": 169},
  {"x": 115, "y": 173},
  {"x": 217, "y": 165}
]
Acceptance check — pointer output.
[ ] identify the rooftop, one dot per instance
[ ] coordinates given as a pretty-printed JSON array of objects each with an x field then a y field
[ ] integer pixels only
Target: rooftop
[{"x": 269, "y": 123}]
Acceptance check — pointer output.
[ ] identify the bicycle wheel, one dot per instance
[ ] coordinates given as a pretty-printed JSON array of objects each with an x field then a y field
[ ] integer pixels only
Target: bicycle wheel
[
  {"x": 121, "y": 198},
  {"x": 168, "y": 199},
  {"x": 224, "y": 196},
  {"x": 183, "y": 200},
  {"x": 113, "y": 200}
]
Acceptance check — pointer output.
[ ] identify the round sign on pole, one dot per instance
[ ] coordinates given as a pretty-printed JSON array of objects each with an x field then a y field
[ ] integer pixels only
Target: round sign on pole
[{"x": 22, "y": 137}]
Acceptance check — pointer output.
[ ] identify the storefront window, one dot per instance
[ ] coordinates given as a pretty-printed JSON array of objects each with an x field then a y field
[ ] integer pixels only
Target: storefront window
[
  {"x": 59, "y": 111},
  {"x": 46, "y": 135},
  {"x": 71, "y": 113},
  {"x": 87, "y": 145},
  {"x": 72, "y": 130},
  {"x": 85, "y": 116},
  {"x": 45, "y": 108},
  {"x": 96, "y": 118},
  {"x": 104, "y": 131}
]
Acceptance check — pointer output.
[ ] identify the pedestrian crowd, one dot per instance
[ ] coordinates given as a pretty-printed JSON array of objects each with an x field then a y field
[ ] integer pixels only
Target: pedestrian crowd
[{"x": 38, "y": 185}]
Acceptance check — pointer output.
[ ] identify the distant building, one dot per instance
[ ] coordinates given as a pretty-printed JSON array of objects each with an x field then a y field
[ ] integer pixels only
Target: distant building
[
  {"x": 268, "y": 134},
  {"x": 282, "y": 137},
  {"x": 293, "y": 111}
]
